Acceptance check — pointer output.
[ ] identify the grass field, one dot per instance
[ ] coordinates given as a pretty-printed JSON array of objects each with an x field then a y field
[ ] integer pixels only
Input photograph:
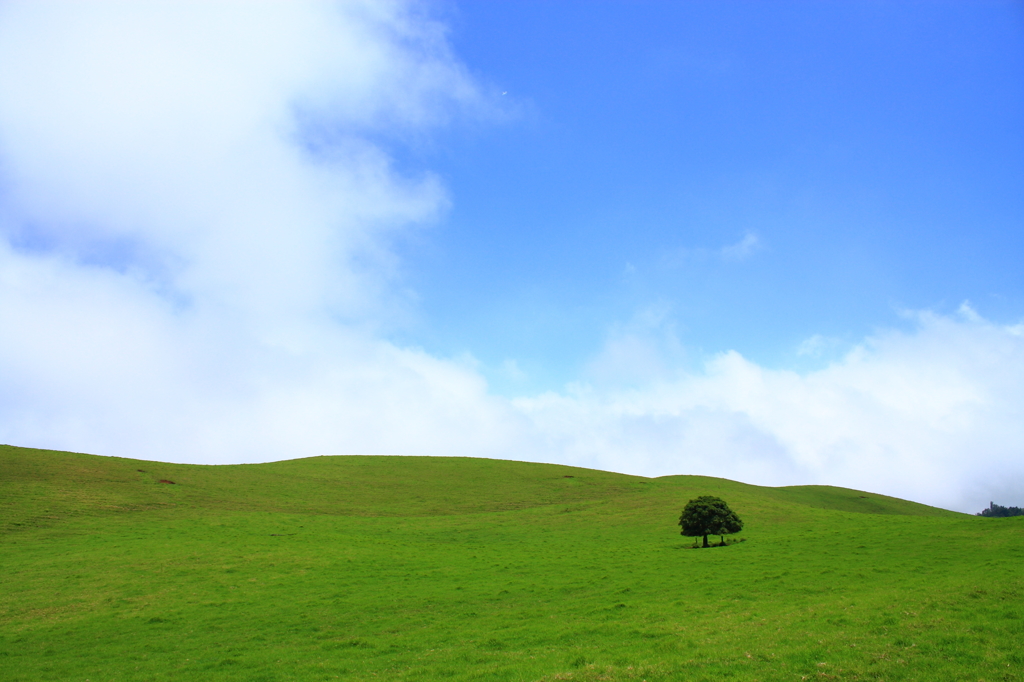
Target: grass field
[{"x": 388, "y": 568}]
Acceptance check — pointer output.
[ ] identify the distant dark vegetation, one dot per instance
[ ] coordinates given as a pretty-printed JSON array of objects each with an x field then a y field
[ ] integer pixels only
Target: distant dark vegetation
[{"x": 999, "y": 511}]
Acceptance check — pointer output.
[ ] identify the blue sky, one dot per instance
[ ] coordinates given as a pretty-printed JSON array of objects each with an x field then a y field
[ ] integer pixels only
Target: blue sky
[
  {"x": 875, "y": 151},
  {"x": 775, "y": 242}
]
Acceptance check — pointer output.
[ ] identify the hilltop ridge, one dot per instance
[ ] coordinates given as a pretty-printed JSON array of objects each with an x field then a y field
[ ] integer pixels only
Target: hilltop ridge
[{"x": 43, "y": 486}]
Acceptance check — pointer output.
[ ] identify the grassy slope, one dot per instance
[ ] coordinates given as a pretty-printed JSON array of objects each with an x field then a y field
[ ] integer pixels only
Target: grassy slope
[{"x": 465, "y": 569}]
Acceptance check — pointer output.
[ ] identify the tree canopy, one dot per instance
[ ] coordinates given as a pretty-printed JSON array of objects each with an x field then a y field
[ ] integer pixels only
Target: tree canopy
[{"x": 709, "y": 515}]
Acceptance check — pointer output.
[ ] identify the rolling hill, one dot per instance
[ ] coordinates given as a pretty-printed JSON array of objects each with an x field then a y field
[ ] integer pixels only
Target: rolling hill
[{"x": 406, "y": 568}]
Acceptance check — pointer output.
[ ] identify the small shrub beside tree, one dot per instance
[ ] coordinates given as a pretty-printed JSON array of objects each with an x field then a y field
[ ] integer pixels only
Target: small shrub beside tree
[{"x": 709, "y": 515}]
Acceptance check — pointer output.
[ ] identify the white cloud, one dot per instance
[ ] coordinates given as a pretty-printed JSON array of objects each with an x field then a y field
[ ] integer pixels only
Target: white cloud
[
  {"x": 936, "y": 415},
  {"x": 742, "y": 249},
  {"x": 642, "y": 350},
  {"x": 511, "y": 371},
  {"x": 196, "y": 224},
  {"x": 746, "y": 247},
  {"x": 816, "y": 345},
  {"x": 198, "y": 230}
]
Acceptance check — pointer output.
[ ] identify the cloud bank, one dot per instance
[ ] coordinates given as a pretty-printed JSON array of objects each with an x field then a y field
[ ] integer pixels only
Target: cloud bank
[
  {"x": 933, "y": 414},
  {"x": 198, "y": 219},
  {"x": 198, "y": 226}
]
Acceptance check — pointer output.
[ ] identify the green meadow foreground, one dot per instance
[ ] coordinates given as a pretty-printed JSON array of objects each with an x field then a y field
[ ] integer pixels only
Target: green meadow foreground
[{"x": 389, "y": 568}]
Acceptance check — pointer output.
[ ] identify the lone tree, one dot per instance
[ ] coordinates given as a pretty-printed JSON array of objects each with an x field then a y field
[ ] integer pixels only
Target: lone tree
[{"x": 708, "y": 515}]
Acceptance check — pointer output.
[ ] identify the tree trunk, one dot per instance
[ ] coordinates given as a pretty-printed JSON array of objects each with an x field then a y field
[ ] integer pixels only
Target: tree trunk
[{"x": 706, "y": 540}]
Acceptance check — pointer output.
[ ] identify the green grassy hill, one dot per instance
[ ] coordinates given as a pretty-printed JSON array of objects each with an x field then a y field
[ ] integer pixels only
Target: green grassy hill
[{"x": 372, "y": 568}]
